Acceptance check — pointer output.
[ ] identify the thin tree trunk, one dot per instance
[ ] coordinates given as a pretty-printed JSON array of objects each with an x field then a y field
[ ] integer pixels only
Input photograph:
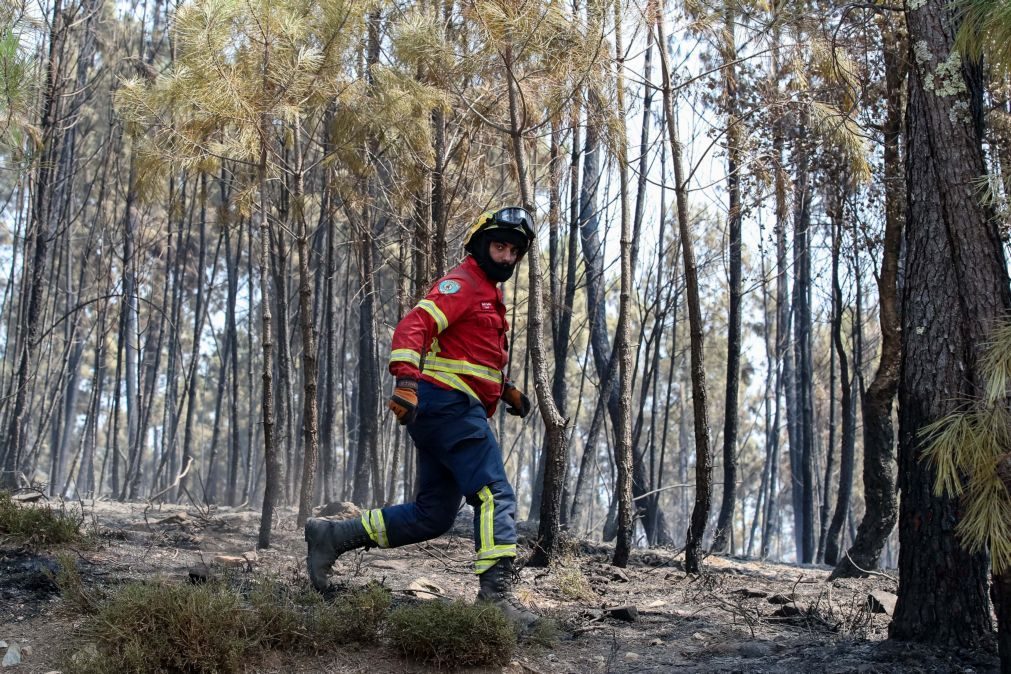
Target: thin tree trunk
[
  {"x": 876, "y": 404},
  {"x": 270, "y": 454},
  {"x": 234, "y": 441},
  {"x": 623, "y": 448},
  {"x": 439, "y": 208},
  {"x": 826, "y": 492},
  {"x": 1001, "y": 591},
  {"x": 211, "y": 486},
  {"x": 802, "y": 334},
  {"x": 847, "y": 455},
  {"x": 367, "y": 386},
  {"x": 576, "y": 507},
  {"x": 722, "y": 541},
  {"x": 117, "y": 397},
  {"x": 557, "y": 445},
  {"x": 593, "y": 251},
  {"x": 252, "y": 430},
  {"x": 198, "y": 324},
  {"x": 128, "y": 306},
  {"x": 285, "y": 399},
  {"x": 310, "y": 371},
  {"x": 654, "y": 520},
  {"x": 175, "y": 261},
  {"x": 40, "y": 236},
  {"x": 583, "y": 479},
  {"x": 87, "y": 484},
  {"x": 330, "y": 355},
  {"x": 367, "y": 462},
  {"x": 785, "y": 385},
  {"x": 559, "y": 312},
  {"x": 670, "y": 305},
  {"x": 703, "y": 457},
  {"x": 768, "y": 486}
]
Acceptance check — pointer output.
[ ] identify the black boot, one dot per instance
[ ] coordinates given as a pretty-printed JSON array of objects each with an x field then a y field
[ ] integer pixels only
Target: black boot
[
  {"x": 327, "y": 541},
  {"x": 497, "y": 588}
]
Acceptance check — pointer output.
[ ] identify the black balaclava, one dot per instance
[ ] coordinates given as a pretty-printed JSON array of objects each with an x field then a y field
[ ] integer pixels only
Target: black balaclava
[{"x": 479, "y": 247}]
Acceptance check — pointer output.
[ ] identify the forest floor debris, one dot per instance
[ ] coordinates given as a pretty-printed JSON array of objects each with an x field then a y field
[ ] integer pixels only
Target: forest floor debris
[{"x": 742, "y": 615}]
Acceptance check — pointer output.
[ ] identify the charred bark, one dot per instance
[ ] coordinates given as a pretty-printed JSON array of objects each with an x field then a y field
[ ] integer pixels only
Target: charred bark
[
  {"x": 703, "y": 457},
  {"x": 956, "y": 287},
  {"x": 723, "y": 542},
  {"x": 848, "y": 408}
]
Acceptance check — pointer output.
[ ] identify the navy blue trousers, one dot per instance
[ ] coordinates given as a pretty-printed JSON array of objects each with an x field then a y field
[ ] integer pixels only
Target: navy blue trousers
[{"x": 458, "y": 457}]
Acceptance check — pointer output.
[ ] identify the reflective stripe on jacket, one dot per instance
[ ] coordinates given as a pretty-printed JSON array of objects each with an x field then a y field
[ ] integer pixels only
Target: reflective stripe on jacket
[{"x": 460, "y": 327}]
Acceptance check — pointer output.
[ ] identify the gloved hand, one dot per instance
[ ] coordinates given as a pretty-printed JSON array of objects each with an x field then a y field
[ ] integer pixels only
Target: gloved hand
[
  {"x": 518, "y": 403},
  {"x": 404, "y": 401}
]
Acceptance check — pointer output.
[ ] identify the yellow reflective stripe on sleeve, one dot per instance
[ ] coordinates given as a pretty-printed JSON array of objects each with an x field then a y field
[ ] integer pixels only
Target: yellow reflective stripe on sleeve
[
  {"x": 439, "y": 364},
  {"x": 367, "y": 523},
  {"x": 452, "y": 381},
  {"x": 406, "y": 356},
  {"x": 441, "y": 322},
  {"x": 375, "y": 526}
]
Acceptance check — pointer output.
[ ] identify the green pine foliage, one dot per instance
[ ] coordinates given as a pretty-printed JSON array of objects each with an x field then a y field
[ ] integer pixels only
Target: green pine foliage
[
  {"x": 273, "y": 73},
  {"x": 986, "y": 31},
  {"x": 964, "y": 449},
  {"x": 18, "y": 135}
]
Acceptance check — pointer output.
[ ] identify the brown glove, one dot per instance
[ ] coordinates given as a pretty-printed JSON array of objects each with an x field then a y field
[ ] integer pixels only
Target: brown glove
[
  {"x": 404, "y": 401},
  {"x": 517, "y": 401}
]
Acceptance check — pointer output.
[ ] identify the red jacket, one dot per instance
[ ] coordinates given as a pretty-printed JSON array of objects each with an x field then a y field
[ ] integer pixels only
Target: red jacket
[{"x": 460, "y": 327}]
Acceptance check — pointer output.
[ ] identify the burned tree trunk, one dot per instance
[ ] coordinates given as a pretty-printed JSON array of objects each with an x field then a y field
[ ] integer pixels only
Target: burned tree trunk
[{"x": 956, "y": 287}]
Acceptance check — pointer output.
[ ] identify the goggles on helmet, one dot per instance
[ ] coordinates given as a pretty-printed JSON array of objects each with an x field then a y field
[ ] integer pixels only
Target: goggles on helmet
[{"x": 513, "y": 218}]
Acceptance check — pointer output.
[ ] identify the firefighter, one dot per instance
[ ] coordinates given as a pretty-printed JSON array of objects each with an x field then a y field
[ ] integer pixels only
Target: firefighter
[{"x": 448, "y": 355}]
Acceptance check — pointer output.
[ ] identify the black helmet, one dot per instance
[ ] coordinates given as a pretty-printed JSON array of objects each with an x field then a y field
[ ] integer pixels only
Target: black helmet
[{"x": 512, "y": 225}]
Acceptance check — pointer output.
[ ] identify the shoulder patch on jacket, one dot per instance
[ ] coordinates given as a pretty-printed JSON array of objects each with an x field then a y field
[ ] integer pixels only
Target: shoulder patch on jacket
[{"x": 449, "y": 287}]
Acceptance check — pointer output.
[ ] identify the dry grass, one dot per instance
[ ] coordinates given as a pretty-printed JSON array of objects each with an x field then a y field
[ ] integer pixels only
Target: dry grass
[
  {"x": 572, "y": 583},
  {"x": 72, "y": 588}
]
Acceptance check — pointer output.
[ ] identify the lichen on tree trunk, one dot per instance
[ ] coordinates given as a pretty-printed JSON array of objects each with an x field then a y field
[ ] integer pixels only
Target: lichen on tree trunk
[{"x": 955, "y": 287}]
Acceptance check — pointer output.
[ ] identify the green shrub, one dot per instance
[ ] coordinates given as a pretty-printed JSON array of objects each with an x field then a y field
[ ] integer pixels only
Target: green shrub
[
  {"x": 301, "y": 619},
  {"x": 169, "y": 628},
  {"x": 453, "y": 635},
  {"x": 364, "y": 611},
  {"x": 38, "y": 525},
  {"x": 217, "y": 626}
]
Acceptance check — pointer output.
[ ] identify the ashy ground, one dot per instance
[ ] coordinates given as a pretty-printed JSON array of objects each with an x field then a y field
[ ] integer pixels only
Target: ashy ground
[{"x": 740, "y": 616}]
